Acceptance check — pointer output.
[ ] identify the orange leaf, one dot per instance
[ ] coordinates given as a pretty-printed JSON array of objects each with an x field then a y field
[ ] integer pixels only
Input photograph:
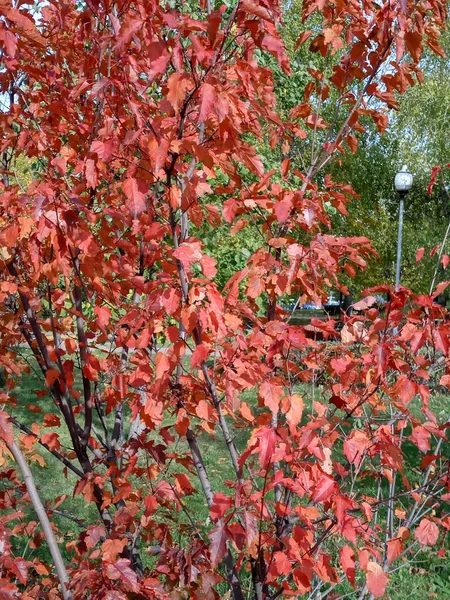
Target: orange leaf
[
  {"x": 218, "y": 547},
  {"x": 427, "y": 533},
  {"x": 207, "y": 101},
  {"x": 419, "y": 254},
  {"x": 295, "y": 412},
  {"x": 135, "y": 192},
  {"x": 376, "y": 579},
  {"x": 51, "y": 376},
  {"x": 6, "y": 430}
]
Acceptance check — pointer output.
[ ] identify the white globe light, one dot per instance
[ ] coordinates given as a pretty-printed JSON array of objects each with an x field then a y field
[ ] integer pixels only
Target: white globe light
[{"x": 403, "y": 181}]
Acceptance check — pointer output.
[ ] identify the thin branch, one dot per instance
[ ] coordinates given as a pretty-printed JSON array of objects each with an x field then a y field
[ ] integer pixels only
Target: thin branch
[{"x": 43, "y": 518}]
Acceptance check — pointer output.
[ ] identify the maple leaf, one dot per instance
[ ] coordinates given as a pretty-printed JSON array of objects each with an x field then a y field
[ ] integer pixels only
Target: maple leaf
[
  {"x": 251, "y": 532},
  {"x": 295, "y": 412},
  {"x": 376, "y": 579},
  {"x": 208, "y": 264},
  {"x": 188, "y": 253},
  {"x": 281, "y": 564},
  {"x": 434, "y": 174},
  {"x": 19, "y": 567},
  {"x": 275, "y": 46},
  {"x": 347, "y": 560},
  {"x": 394, "y": 549},
  {"x": 267, "y": 439},
  {"x": 121, "y": 570},
  {"x": 271, "y": 394},
  {"x": 112, "y": 548},
  {"x": 162, "y": 364},
  {"x": 51, "y": 420},
  {"x": 246, "y": 412},
  {"x": 135, "y": 191},
  {"x": 421, "y": 437},
  {"x": 427, "y": 533},
  {"x": 208, "y": 98},
  {"x": 51, "y": 376},
  {"x": 220, "y": 506},
  {"x": 103, "y": 314},
  {"x": 6, "y": 430},
  {"x": 355, "y": 446},
  {"x": 91, "y": 173},
  {"x": 8, "y": 591},
  {"x": 178, "y": 85},
  {"x": 218, "y": 536},
  {"x": 199, "y": 355},
  {"x": 324, "y": 489},
  {"x": 419, "y": 254},
  {"x": 52, "y": 440},
  {"x": 103, "y": 148}
]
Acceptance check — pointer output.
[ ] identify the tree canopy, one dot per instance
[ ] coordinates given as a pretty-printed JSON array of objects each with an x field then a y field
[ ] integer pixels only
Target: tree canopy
[{"x": 162, "y": 137}]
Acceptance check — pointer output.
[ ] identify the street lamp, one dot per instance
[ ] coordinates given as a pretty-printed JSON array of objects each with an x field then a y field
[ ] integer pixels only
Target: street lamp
[{"x": 403, "y": 183}]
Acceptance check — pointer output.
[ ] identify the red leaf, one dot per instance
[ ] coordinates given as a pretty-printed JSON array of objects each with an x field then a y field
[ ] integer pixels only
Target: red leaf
[
  {"x": 199, "y": 355},
  {"x": 445, "y": 260},
  {"x": 419, "y": 254},
  {"x": 413, "y": 41},
  {"x": 427, "y": 533},
  {"x": 246, "y": 412},
  {"x": 60, "y": 165},
  {"x": 275, "y": 46},
  {"x": 135, "y": 192},
  {"x": 51, "y": 420},
  {"x": 271, "y": 394},
  {"x": 421, "y": 437},
  {"x": 121, "y": 570},
  {"x": 281, "y": 565},
  {"x": 295, "y": 412},
  {"x": 162, "y": 364},
  {"x": 207, "y": 101},
  {"x": 52, "y": 440},
  {"x": 251, "y": 532},
  {"x": 352, "y": 141},
  {"x": 324, "y": 489},
  {"x": 91, "y": 174},
  {"x": 394, "y": 549},
  {"x": 6, "y": 430},
  {"x": 376, "y": 579},
  {"x": 220, "y": 506},
  {"x": 103, "y": 149},
  {"x": 51, "y": 376},
  {"x": 366, "y": 302},
  {"x": 188, "y": 254},
  {"x": 112, "y": 548},
  {"x": 8, "y": 591},
  {"x": 347, "y": 560},
  {"x": 267, "y": 438},
  {"x": 208, "y": 264},
  {"x": 178, "y": 84},
  {"x": 434, "y": 250},
  {"x": 434, "y": 173},
  {"x": 218, "y": 547},
  {"x": 103, "y": 315},
  {"x": 355, "y": 446}
]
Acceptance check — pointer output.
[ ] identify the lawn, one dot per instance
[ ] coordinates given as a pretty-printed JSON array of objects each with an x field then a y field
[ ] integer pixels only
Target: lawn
[{"x": 427, "y": 578}]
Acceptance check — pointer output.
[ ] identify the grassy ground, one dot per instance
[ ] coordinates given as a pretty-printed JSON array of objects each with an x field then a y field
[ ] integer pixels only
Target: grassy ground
[{"x": 428, "y": 578}]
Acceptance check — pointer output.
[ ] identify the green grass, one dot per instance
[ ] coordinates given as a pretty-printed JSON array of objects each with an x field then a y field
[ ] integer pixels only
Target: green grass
[{"x": 427, "y": 578}]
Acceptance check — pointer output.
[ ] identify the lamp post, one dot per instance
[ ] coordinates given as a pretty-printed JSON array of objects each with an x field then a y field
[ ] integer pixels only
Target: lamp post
[{"x": 403, "y": 183}]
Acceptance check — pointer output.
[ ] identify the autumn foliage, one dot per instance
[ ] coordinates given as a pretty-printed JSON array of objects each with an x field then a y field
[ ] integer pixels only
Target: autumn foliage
[{"x": 144, "y": 120}]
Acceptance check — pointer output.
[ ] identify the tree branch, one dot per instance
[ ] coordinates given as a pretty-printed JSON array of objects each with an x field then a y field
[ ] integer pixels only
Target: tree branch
[{"x": 43, "y": 518}]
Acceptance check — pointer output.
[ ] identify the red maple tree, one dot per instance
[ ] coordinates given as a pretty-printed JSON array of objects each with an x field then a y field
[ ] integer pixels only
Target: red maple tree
[{"x": 143, "y": 119}]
